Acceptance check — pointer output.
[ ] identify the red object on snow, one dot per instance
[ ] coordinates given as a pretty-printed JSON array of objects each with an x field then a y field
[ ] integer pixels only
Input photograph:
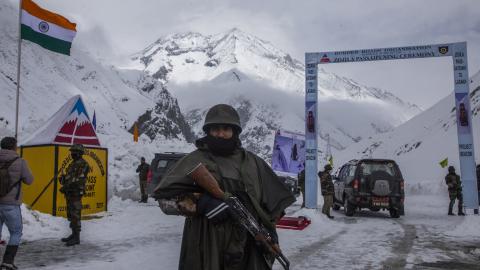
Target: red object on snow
[
  {"x": 149, "y": 176},
  {"x": 293, "y": 223}
]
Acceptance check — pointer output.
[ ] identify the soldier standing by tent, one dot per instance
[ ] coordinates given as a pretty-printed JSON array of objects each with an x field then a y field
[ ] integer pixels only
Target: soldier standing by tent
[
  {"x": 142, "y": 171},
  {"x": 327, "y": 190},
  {"x": 454, "y": 191},
  {"x": 212, "y": 240},
  {"x": 73, "y": 186},
  {"x": 13, "y": 172}
]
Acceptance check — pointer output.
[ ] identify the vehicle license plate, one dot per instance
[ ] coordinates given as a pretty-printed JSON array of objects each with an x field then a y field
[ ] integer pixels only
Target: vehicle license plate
[{"x": 380, "y": 201}]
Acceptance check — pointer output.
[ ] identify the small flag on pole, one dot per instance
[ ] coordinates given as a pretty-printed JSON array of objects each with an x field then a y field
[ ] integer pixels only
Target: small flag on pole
[
  {"x": 135, "y": 132},
  {"x": 94, "y": 121},
  {"x": 49, "y": 30},
  {"x": 330, "y": 161},
  {"x": 444, "y": 163}
]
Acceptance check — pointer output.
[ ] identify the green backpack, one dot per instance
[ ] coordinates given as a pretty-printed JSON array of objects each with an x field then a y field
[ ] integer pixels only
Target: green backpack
[{"x": 5, "y": 186}]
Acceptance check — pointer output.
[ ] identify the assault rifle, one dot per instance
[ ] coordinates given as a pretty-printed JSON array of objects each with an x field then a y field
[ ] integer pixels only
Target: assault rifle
[{"x": 242, "y": 216}]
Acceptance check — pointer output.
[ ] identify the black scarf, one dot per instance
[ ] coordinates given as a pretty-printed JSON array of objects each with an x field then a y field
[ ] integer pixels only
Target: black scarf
[{"x": 220, "y": 146}]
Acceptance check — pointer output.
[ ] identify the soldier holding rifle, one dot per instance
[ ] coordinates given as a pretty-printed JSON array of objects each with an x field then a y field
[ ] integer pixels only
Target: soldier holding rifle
[{"x": 231, "y": 199}]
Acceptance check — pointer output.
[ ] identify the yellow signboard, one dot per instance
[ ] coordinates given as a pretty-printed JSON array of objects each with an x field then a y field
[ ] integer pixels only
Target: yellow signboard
[{"x": 48, "y": 162}]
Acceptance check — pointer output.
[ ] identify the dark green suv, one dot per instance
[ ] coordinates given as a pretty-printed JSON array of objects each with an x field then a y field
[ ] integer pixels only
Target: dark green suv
[
  {"x": 161, "y": 163},
  {"x": 376, "y": 184}
]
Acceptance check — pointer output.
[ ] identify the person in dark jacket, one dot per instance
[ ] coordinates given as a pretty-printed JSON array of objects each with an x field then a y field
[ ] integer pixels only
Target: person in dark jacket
[
  {"x": 328, "y": 191},
  {"x": 10, "y": 213},
  {"x": 212, "y": 240},
  {"x": 478, "y": 180},
  {"x": 301, "y": 184},
  {"x": 142, "y": 171},
  {"x": 454, "y": 191}
]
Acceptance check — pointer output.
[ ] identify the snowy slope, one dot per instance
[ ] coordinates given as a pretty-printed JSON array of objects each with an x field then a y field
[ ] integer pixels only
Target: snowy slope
[
  {"x": 204, "y": 70},
  {"x": 419, "y": 144},
  {"x": 119, "y": 97}
]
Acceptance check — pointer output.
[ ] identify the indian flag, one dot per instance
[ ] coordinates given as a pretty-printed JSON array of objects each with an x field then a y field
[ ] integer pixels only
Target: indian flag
[{"x": 49, "y": 30}]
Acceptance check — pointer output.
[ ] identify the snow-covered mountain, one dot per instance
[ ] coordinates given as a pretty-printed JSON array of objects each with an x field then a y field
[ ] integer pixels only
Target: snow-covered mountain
[
  {"x": 237, "y": 68},
  {"x": 119, "y": 98},
  {"x": 421, "y": 143}
]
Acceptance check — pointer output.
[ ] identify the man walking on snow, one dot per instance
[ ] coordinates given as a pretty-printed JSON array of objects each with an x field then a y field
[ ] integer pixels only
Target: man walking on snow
[{"x": 13, "y": 172}]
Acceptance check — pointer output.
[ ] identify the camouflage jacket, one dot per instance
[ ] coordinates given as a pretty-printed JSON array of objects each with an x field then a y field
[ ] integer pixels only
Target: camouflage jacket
[
  {"x": 453, "y": 182},
  {"x": 326, "y": 183},
  {"x": 75, "y": 177}
]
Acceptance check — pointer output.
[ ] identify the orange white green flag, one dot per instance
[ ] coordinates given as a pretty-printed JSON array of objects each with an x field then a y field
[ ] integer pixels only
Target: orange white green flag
[{"x": 49, "y": 30}]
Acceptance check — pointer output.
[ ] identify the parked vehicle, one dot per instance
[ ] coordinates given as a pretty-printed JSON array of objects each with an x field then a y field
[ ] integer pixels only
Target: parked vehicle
[
  {"x": 291, "y": 183},
  {"x": 161, "y": 163},
  {"x": 376, "y": 184}
]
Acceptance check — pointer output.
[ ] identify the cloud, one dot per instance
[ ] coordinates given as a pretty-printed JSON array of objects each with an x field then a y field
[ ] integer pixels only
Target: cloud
[{"x": 293, "y": 26}]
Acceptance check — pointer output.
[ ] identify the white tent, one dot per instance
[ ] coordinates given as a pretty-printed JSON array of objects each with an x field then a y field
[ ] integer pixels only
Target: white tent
[{"x": 69, "y": 125}]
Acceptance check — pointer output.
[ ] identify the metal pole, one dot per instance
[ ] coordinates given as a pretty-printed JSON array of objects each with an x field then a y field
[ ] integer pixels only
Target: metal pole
[{"x": 18, "y": 66}]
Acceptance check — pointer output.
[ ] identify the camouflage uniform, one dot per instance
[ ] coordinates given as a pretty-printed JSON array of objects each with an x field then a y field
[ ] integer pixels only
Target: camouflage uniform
[
  {"x": 327, "y": 189},
  {"x": 301, "y": 184},
  {"x": 142, "y": 171},
  {"x": 454, "y": 190},
  {"x": 73, "y": 187}
]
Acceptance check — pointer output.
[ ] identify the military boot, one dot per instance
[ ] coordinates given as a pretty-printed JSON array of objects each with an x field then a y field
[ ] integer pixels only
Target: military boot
[
  {"x": 66, "y": 239},
  {"x": 450, "y": 212},
  {"x": 8, "y": 258},
  {"x": 75, "y": 240}
]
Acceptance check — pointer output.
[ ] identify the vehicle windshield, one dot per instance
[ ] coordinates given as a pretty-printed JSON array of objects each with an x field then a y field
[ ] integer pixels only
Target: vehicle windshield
[{"x": 388, "y": 167}]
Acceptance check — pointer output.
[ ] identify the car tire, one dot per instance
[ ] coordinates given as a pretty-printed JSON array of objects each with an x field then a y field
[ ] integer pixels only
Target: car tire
[
  {"x": 348, "y": 208},
  {"x": 394, "y": 213}
]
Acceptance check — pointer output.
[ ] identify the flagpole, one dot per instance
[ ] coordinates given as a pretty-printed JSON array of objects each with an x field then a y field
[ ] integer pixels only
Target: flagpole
[{"x": 18, "y": 66}]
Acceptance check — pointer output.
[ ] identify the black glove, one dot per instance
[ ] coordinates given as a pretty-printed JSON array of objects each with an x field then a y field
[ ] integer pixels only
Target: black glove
[{"x": 214, "y": 209}]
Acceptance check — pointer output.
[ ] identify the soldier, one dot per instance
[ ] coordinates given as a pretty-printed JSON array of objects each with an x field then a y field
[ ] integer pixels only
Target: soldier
[
  {"x": 212, "y": 240},
  {"x": 142, "y": 171},
  {"x": 301, "y": 184},
  {"x": 454, "y": 191},
  {"x": 73, "y": 187},
  {"x": 327, "y": 190}
]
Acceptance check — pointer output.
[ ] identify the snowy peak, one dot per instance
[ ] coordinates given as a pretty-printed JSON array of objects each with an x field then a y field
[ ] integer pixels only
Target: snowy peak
[{"x": 205, "y": 57}]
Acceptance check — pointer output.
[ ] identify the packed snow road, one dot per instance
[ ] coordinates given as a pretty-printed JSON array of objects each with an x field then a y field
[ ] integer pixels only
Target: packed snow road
[{"x": 139, "y": 236}]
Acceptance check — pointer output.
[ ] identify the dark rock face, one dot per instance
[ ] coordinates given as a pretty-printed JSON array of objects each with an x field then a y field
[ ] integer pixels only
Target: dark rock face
[{"x": 165, "y": 119}]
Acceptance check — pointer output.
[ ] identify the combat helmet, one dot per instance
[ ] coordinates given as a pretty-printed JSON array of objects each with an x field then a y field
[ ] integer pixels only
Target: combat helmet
[
  {"x": 77, "y": 148},
  {"x": 328, "y": 167},
  {"x": 222, "y": 114},
  {"x": 451, "y": 169}
]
